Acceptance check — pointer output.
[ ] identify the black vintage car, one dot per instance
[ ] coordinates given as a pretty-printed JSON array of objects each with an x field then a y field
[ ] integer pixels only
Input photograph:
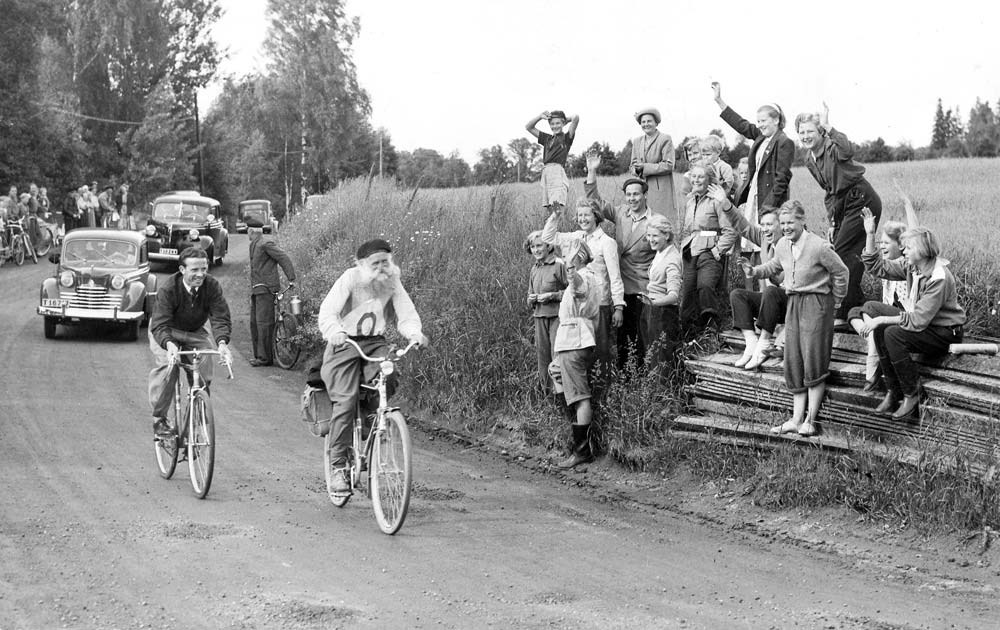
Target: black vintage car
[
  {"x": 179, "y": 221},
  {"x": 102, "y": 276},
  {"x": 259, "y": 209}
]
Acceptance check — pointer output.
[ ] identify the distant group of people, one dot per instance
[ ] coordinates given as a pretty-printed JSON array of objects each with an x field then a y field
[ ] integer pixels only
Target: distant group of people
[
  {"x": 29, "y": 207},
  {"x": 84, "y": 206},
  {"x": 646, "y": 284}
]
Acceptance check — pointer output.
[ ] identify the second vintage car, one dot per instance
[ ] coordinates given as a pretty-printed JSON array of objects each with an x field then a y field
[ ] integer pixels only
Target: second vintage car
[
  {"x": 259, "y": 209},
  {"x": 101, "y": 276},
  {"x": 179, "y": 221}
]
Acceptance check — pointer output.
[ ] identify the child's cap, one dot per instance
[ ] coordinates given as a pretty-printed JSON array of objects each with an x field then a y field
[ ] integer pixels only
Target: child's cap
[
  {"x": 557, "y": 113},
  {"x": 652, "y": 111}
]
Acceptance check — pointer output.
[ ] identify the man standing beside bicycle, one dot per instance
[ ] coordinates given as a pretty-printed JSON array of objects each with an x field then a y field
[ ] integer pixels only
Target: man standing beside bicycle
[
  {"x": 188, "y": 301},
  {"x": 265, "y": 258},
  {"x": 360, "y": 304}
]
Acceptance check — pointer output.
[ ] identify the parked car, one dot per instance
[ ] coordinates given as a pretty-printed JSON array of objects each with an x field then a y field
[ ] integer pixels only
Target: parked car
[
  {"x": 258, "y": 209},
  {"x": 101, "y": 275},
  {"x": 177, "y": 222}
]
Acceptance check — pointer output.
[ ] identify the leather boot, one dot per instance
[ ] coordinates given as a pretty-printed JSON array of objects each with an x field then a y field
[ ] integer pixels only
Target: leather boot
[
  {"x": 888, "y": 403},
  {"x": 908, "y": 406},
  {"x": 909, "y": 381},
  {"x": 581, "y": 448}
]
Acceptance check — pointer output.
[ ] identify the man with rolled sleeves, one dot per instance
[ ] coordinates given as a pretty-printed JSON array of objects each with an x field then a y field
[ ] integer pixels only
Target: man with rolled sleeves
[{"x": 265, "y": 258}]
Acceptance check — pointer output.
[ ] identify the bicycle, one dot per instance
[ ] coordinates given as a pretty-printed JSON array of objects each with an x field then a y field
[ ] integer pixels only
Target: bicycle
[
  {"x": 284, "y": 349},
  {"x": 20, "y": 242},
  {"x": 385, "y": 454},
  {"x": 194, "y": 429},
  {"x": 46, "y": 237}
]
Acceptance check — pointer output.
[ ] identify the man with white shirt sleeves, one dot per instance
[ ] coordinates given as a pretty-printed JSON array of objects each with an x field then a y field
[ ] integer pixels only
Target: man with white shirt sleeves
[
  {"x": 359, "y": 306},
  {"x": 185, "y": 305}
]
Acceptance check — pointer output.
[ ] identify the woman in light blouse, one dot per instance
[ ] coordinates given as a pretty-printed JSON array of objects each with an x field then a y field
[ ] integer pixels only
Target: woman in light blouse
[
  {"x": 605, "y": 266},
  {"x": 660, "y": 317},
  {"x": 653, "y": 161}
]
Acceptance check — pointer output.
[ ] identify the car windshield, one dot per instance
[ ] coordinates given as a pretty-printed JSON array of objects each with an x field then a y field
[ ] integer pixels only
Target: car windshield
[
  {"x": 101, "y": 252},
  {"x": 255, "y": 213},
  {"x": 173, "y": 211}
]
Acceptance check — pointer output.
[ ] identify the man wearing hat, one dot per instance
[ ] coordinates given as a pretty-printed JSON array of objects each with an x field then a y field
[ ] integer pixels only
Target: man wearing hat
[
  {"x": 265, "y": 258},
  {"x": 359, "y": 306},
  {"x": 634, "y": 255}
]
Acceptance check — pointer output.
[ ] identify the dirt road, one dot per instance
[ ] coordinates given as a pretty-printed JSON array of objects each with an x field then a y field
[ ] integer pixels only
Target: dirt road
[{"x": 91, "y": 537}]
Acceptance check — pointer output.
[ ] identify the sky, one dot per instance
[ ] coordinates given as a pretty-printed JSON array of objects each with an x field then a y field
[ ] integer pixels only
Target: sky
[{"x": 463, "y": 75}]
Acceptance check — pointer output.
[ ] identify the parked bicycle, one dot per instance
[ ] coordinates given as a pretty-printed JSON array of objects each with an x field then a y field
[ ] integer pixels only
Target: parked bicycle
[
  {"x": 385, "y": 454},
  {"x": 285, "y": 348},
  {"x": 45, "y": 238},
  {"x": 17, "y": 243},
  {"x": 193, "y": 426}
]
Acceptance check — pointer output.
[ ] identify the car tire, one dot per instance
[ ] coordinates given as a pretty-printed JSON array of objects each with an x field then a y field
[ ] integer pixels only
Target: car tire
[{"x": 50, "y": 324}]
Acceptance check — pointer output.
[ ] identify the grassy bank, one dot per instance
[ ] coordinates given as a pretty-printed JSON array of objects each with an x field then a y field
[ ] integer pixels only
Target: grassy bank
[{"x": 460, "y": 252}]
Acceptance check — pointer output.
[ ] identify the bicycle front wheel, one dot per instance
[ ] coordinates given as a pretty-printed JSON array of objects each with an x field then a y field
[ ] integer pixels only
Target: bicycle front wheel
[
  {"x": 166, "y": 449},
  {"x": 18, "y": 251},
  {"x": 390, "y": 472},
  {"x": 45, "y": 240},
  {"x": 201, "y": 443},
  {"x": 30, "y": 249},
  {"x": 286, "y": 350}
]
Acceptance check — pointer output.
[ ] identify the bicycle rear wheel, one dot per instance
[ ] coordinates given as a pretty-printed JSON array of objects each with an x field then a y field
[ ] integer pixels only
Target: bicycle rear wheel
[
  {"x": 390, "y": 473},
  {"x": 45, "y": 240},
  {"x": 286, "y": 350},
  {"x": 201, "y": 443},
  {"x": 166, "y": 450},
  {"x": 337, "y": 499},
  {"x": 18, "y": 251},
  {"x": 29, "y": 248}
]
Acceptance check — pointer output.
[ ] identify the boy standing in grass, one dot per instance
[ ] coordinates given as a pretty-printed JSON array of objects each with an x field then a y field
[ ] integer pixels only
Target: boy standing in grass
[
  {"x": 574, "y": 347},
  {"x": 555, "y": 150},
  {"x": 546, "y": 283}
]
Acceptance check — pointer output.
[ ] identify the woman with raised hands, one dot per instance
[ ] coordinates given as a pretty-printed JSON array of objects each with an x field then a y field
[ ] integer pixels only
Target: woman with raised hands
[{"x": 830, "y": 160}]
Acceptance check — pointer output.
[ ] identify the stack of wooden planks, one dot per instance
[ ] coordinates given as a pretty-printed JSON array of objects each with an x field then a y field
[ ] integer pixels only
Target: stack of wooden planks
[{"x": 958, "y": 424}]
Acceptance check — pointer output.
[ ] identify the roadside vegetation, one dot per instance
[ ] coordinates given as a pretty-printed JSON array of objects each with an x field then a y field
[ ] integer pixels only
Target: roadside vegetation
[{"x": 462, "y": 261}]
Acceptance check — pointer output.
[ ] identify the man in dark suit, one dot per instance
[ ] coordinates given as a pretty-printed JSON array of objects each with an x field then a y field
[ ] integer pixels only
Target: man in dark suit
[{"x": 265, "y": 258}]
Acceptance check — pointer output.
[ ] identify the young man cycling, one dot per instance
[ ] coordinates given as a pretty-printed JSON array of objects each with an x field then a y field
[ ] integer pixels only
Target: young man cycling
[
  {"x": 185, "y": 303},
  {"x": 360, "y": 304}
]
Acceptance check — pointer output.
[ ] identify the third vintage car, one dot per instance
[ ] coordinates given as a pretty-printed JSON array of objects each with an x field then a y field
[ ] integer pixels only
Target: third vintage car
[
  {"x": 101, "y": 276},
  {"x": 178, "y": 221},
  {"x": 257, "y": 209}
]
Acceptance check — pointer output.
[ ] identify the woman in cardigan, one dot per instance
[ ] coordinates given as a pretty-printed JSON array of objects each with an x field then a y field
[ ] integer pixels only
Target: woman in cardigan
[
  {"x": 660, "y": 318},
  {"x": 770, "y": 158},
  {"x": 653, "y": 160},
  {"x": 830, "y": 160},
  {"x": 930, "y": 321},
  {"x": 815, "y": 281}
]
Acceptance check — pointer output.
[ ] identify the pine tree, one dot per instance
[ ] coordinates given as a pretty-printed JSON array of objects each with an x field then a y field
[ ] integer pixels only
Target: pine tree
[{"x": 939, "y": 136}]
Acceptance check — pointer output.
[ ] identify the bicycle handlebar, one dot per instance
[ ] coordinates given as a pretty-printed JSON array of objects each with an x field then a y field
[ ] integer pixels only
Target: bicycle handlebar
[
  {"x": 197, "y": 353},
  {"x": 399, "y": 353},
  {"x": 274, "y": 293}
]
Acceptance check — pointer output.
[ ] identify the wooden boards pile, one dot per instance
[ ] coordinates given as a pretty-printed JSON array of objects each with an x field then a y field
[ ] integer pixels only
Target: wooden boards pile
[{"x": 959, "y": 424}]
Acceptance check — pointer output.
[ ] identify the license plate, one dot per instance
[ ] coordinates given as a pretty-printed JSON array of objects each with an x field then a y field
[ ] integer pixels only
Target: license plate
[
  {"x": 54, "y": 303},
  {"x": 168, "y": 250}
]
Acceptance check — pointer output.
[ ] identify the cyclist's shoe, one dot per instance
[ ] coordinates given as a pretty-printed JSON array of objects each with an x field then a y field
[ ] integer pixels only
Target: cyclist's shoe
[
  {"x": 259, "y": 363},
  {"x": 575, "y": 459},
  {"x": 162, "y": 430},
  {"x": 339, "y": 483}
]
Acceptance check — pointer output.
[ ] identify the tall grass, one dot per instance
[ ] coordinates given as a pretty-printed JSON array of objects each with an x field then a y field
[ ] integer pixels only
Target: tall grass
[{"x": 462, "y": 262}]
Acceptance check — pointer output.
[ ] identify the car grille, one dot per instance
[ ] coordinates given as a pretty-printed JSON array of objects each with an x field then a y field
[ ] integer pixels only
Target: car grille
[{"x": 90, "y": 297}]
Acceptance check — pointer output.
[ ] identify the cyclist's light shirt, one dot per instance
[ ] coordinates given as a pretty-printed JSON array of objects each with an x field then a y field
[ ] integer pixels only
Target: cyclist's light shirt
[{"x": 353, "y": 308}]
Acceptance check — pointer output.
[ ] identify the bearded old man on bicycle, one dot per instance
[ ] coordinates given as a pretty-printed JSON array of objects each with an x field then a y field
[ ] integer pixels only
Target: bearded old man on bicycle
[
  {"x": 186, "y": 303},
  {"x": 265, "y": 258},
  {"x": 359, "y": 305}
]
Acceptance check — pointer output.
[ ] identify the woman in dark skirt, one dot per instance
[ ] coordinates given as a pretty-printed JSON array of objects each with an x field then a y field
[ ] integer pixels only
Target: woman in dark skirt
[{"x": 831, "y": 162}]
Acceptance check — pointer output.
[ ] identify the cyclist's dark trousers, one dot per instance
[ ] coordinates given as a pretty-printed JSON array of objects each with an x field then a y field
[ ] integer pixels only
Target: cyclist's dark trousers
[
  {"x": 163, "y": 377},
  {"x": 262, "y": 326},
  {"x": 341, "y": 374}
]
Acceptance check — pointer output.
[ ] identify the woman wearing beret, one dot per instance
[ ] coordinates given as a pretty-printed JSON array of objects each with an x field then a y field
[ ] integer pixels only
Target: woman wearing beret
[
  {"x": 770, "y": 158},
  {"x": 653, "y": 160},
  {"x": 830, "y": 161}
]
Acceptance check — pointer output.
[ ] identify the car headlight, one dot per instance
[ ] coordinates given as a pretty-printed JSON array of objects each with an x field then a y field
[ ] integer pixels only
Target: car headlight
[
  {"x": 210, "y": 218},
  {"x": 117, "y": 281},
  {"x": 66, "y": 278},
  {"x": 388, "y": 367},
  {"x": 150, "y": 230},
  {"x": 193, "y": 234}
]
